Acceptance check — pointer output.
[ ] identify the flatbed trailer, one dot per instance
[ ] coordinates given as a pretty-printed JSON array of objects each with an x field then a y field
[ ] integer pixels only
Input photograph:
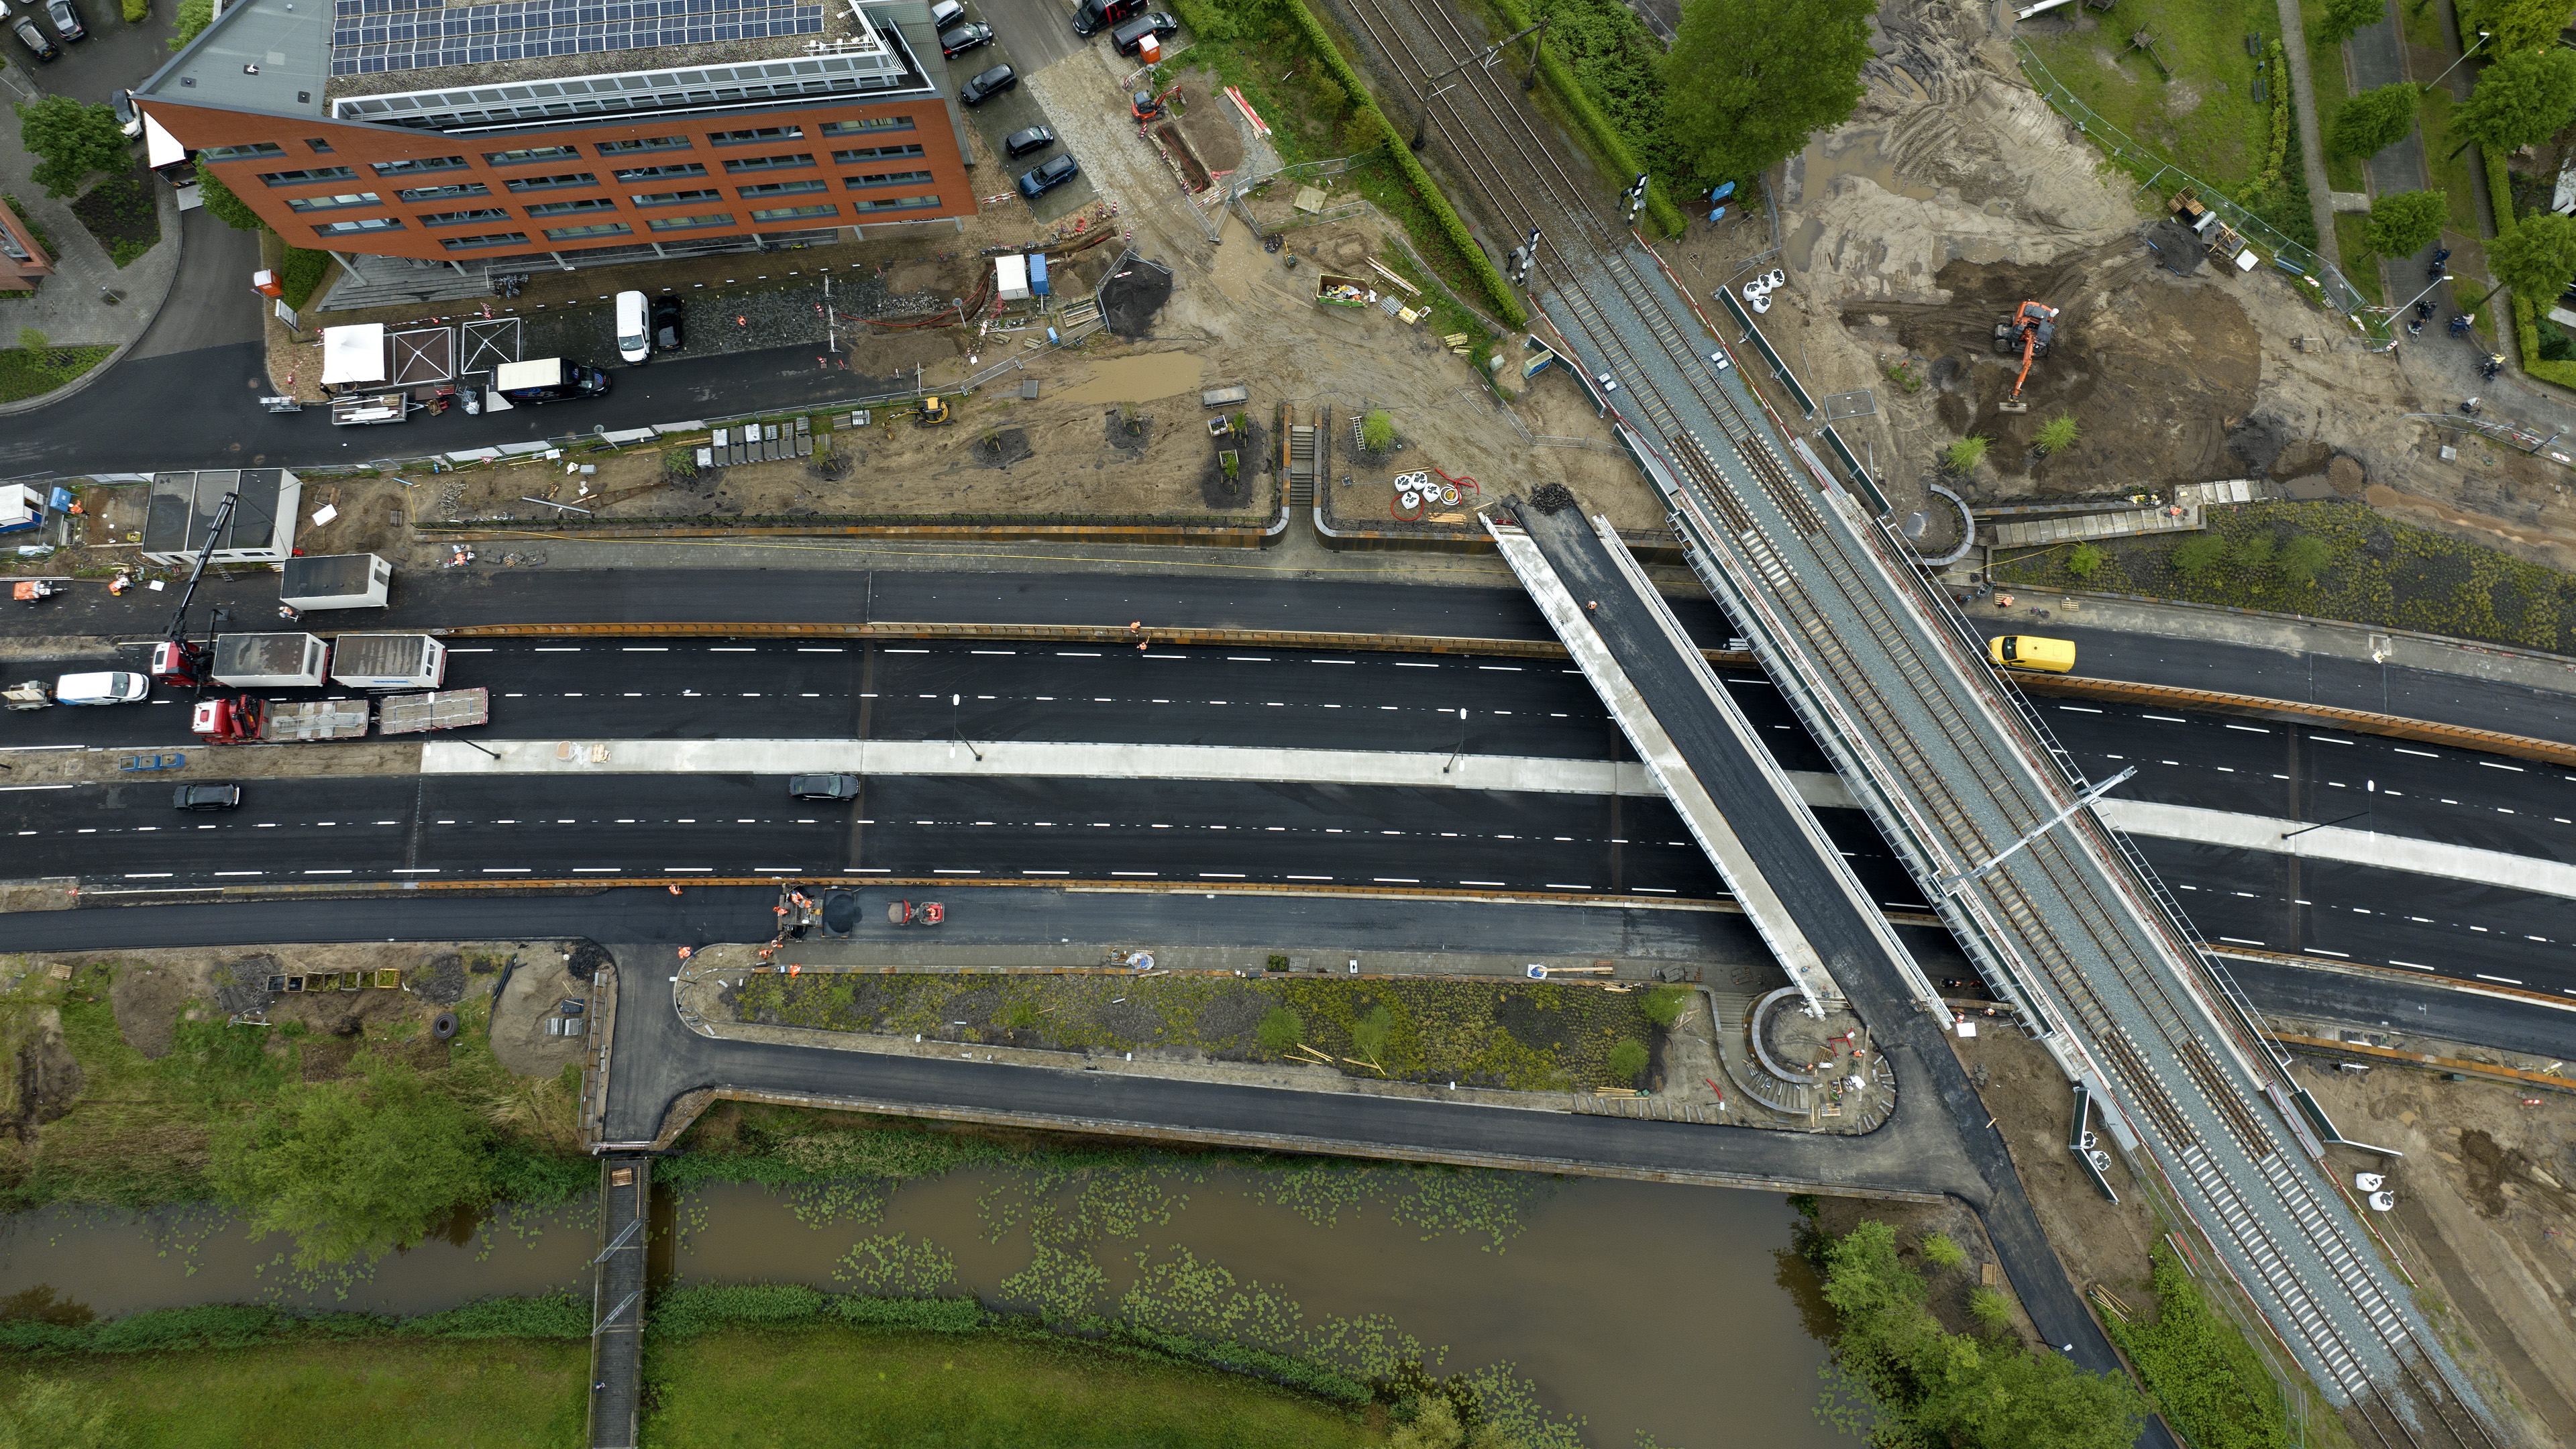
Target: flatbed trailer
[
  {"x": 313, "y": 719},
  {"x": 246, "y": 718},
  {"x": 450, "y": 709}
]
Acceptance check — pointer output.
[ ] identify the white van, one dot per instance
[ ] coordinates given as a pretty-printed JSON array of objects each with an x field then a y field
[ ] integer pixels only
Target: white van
[
  {"x": 548, "y": 379},
  {"x": 633, "y": 342},
  {"x": 104, "y": 687}
]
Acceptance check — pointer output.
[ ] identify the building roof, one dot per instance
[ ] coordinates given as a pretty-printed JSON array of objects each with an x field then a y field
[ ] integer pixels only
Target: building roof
[
  {"x": 182, "y": 508},
  {"x": 272, "y": 56}
]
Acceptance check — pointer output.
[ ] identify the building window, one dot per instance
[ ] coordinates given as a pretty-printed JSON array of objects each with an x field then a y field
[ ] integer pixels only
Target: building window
[
  {"x": 308, "y": 178},
  {"x": 755, "y": 138},
  {"x": 573, "y": 208},
  {"x": 260, "y": 152},
  {"x": 334, "y": 203},
  {"x": 884, "y": 178},
  {"x": 862, "y": 155},
  {"x": 530, "y": 156},
  {"x": 865, "y": 124},
  {"x": 553, "y": 183},
  {"x": 794, "y": 213},
  {"x": 783, "y": 188},
  {"x": 420, "y": 167},
  {"x": 771, "y": 163},
  {"x": 456, "y": 192},
  {"x": 364, "y": 224},
  {"x": 576, "y": 233},
  {"x": 465, "y": 218},
  {"x": 676, "y": 198},
  {"x": 318, "y": 146},
  {"x": 645, "y": 143},
  {"x": 690, "y": 223},
  {"x": 896, "y": 203},
  {"x": 487, "y": 239},
  {"x": 634, "y": 174}
]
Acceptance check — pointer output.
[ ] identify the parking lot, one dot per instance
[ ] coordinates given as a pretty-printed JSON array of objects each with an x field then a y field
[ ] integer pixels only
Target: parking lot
[
  {"x": 1029, "y": 35},
  {"x": 117, "y": 56}
]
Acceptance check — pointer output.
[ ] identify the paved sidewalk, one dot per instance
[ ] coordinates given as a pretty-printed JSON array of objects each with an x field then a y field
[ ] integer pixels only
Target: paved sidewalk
[{"x": 67, "y": 306}]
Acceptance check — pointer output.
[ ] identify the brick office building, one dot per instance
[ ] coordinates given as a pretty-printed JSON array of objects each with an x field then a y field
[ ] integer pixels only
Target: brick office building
[{"x": 487, "y": 136}]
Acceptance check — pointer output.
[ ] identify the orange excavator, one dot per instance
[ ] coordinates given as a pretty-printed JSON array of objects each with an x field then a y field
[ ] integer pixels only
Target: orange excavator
[{"x": 2029, "y": 331}]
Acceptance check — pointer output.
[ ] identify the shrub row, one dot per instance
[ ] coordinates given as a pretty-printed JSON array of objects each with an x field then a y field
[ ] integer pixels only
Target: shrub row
[
  {"x": 1506, "y": 304},
  {"x": 850, "y": 520},
  {"x": 240, "y": 1325},
  {"x": 2526, "y": 316},
  {"x": 1596, "y": 123}
]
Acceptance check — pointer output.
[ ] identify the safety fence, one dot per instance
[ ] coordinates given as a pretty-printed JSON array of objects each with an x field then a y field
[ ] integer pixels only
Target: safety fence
[{"x": 2154, "y": 172}]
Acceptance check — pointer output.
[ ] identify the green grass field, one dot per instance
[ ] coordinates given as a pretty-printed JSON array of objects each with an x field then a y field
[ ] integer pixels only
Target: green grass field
[
  {"x": 2360, "y": 263},
  {"x": 2325, "y": 68},
  {"x": 385, "y": 1394},
  {"x": 2206, "y": 117},
  {"x": 739, "y": 1388}
]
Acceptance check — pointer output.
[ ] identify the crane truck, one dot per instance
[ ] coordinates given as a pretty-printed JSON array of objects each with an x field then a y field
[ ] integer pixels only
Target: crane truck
[
  {"x": 2029, "y": 331},
  {"x": 246, "y": 719}
]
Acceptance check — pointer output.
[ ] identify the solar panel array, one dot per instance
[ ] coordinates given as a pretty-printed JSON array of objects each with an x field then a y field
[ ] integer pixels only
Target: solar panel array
[{"x": 381, "y": 35}]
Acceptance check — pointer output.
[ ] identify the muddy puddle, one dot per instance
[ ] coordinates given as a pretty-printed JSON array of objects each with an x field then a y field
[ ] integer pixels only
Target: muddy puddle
[
  {"x": 1135, "y": 379},
  {"x": 1624, "y": 1308}
]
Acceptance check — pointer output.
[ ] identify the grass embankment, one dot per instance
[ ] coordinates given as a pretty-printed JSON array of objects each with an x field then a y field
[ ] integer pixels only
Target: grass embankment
[
  {"x": 2205, "y": 1376},
  {"x": 2374, "y": 571},
  {"x": 836, "y": 1385},
  {"x": 32, "y": 372},
  {"x": 138, "y": 1132},
  {"x": 1533, "y": 1036}
]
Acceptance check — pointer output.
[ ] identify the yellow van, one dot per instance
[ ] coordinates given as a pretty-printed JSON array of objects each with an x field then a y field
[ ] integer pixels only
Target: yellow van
[{"x": 2030, "y": 651}]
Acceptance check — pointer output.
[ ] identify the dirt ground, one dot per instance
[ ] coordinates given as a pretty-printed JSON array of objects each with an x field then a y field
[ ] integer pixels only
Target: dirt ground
[{"x": 1953, "y": 194}]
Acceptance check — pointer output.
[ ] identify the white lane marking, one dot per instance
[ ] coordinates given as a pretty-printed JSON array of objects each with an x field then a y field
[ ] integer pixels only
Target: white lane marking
[
  {"x": 2241, "y": 941},
  {"x": 646, "y": 649},
  {"x": 575, "y": 650},
  {"x": 992, "y": 651},
  {"x": 2410, "y": 965},
  {"x": 907, "y": 651},
  {"x": 37, "y": 787},
  {"x": 2427, "y": 754},
  {"x": 2329, "y": 740},
  {"x": 730, "y": 649},
  {"x": 1406, "y": 664},
  {"x": 688, "y": 870},
  {"x": 1246, "y": 659},
  {"x": 789, "y": 869},
  {"x": 598, "y": 869},
  {"x": 1656, "y": 890},
  {"x": 2250, "y": 729},
  {"x": 1558, "y": 885},
  {"x": 1310, "y": 877},
  {"x": 505, "y": 870},
  {"x": 327, "y": 872},
  {"x": 1332, "y": 661},
  {"x": 1220, "y": 875},
  {"x": 2167, "y": 718},
  {"x": 867, "y": 870},
  {"x": 2078, "y": 709},
  {"x": 240, "y": 872},
  {"x": 1480, "y": 882},
  {"x": 454, "y": 650},
  {"x": 2338, "y": 955},
  {"x": 2493, "y": 765},
  {"x": 1501, "y": 668},
  {"x": 1147, "y": 873},
  {"x": 2506, "y": 980},
  {"x": 815, "y": 649},
  {"x": 1395, "y": 880},
  {"x": 147, "y": 875},
  {"x": 1060, "y": 654},
  {"x": 1046, "y": 872}
]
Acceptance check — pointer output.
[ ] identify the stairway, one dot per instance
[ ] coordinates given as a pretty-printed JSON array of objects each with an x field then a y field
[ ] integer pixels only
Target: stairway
[{"x": 1301, "y": 464}]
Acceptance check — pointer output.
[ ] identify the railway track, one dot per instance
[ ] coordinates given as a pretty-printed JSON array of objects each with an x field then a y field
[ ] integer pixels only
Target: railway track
[{"x": 2199, "y": 1109}]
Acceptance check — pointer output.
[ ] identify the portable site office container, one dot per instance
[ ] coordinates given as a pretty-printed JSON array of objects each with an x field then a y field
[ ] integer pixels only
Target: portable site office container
[
  {"x": 336, "y": 581},
  {"x": 388, "y": 661},
  {"x": 270, "y": 661},
  {"x": 1011, "y": 278}
]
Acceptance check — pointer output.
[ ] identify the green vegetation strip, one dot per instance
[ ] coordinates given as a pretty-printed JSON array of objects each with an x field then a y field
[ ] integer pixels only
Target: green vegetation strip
[
  {"x": 1603, "y": 133},
  {"x": 32, "y": 372},
  {"x": 2204, "y": 1374},
  {"x": 2526, "y": 313}
]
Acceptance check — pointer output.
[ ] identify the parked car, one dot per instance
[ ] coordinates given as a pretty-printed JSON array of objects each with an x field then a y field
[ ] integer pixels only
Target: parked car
[
  {"x": 206, "y": 797},
  {"x": 1091, "y": 15},
  {"x": 632, "y": 343},
  {"x": 668, "y": 335},
  {"x": 1131, "y": 35},
  {"x": 35, "y": 40},
  {"x": 66, "y": 19},
  {"x": 947, "y": 13},
  {"x": 106, "y": 686},
  {"x": 989, "y": 84},
  {"x": 959, "y": 39},
  {"x": 127, "y": 118},
  {"x": 1022, "y": 143},
  {"x": 823, "y": 787},
  {"x": 1047, "y": 176}
]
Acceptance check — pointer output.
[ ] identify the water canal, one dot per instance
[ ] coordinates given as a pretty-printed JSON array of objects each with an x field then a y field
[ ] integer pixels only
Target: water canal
[{"x": 1625, "y": 1308}]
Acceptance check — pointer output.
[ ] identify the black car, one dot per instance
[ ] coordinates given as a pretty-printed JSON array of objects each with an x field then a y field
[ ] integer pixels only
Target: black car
[
  {"x": 823, "y": 787},
  {"x": 1022, "y": 143},
  {"x": 66, "y": 20},
  {"x": 988, "y": 85},
  {"x": 206, "y": 797},
  {"x": 1047, "y": 176},
  {"x": 35, "y": 40},
  {"x": 960, "y": 39},
  {"x": 668, "y": 334},
  {"x": 1093, "y": 14},
  {"x": 1129, "y": 36},
  {"x": 128, "y": 119}
]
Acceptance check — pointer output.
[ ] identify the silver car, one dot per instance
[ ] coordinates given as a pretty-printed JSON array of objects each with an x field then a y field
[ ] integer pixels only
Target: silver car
[{"x": 66, "y": 20}]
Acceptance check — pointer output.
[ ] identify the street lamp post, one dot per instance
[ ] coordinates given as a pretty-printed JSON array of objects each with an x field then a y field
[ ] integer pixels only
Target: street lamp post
[
  {"x": 2483, "y": 37},
  {"x": 1462, "y": 743},
  {"x": 956, "y": 724}
]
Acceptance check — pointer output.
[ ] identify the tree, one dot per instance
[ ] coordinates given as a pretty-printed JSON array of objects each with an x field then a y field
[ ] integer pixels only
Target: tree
[
  {"x": 1942, "y": 1251},
  {"x": 1436, "y": 1425},
  {"x": 1965, "y": 454},
  {"x": 2523, "y": 98},
  {"x": 2406, "y": 223},
  {"x": 2346, "y": 17},
  {"x": 74, "y": 140},
  {"x": 33, "y": 339},
  {"x": 194, "y": 17},
  {"x": 1627, "y": 1060},
  {"x": 2252, "y": 553},
  {"x": 1281, "y": 1030},
  {"x": 59, "y": 1414},
  {"x": 2305, "y": 557},
  {"x": 2519, "y": 24},
  {"x": 353, "y": 1167},
  {"x": 1991, "y": 1309},
  {"x": 2059, "y": 433},
  {"x": 1663, "y": 1005},
  {"x": 2196, "y": 556},
  {"x": 223, "y": 205},
  {"x": 2375, "y": 120},
  {"x": 2084, "y": 561},
  {"x": 1747, "y": 80},
  {"x": 2538, "y": 256},
  {"x": 1370, "y": 1034}
]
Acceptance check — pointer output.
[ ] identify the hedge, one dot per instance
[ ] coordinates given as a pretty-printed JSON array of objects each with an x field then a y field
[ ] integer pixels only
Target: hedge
[
  {"x": 1596, "y": 123},
  {"x": 1247, "y": 519},
  {"x": 1415, "y": 178},
  {"x": 240, "y": 1325},
  {"x": 2526, "y": 317}
]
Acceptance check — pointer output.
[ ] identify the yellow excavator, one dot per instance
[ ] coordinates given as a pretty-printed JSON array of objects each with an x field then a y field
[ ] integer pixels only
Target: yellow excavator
[
  {"x": 2029, "y": 331},
  {"x": 931, "y": 412}
]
